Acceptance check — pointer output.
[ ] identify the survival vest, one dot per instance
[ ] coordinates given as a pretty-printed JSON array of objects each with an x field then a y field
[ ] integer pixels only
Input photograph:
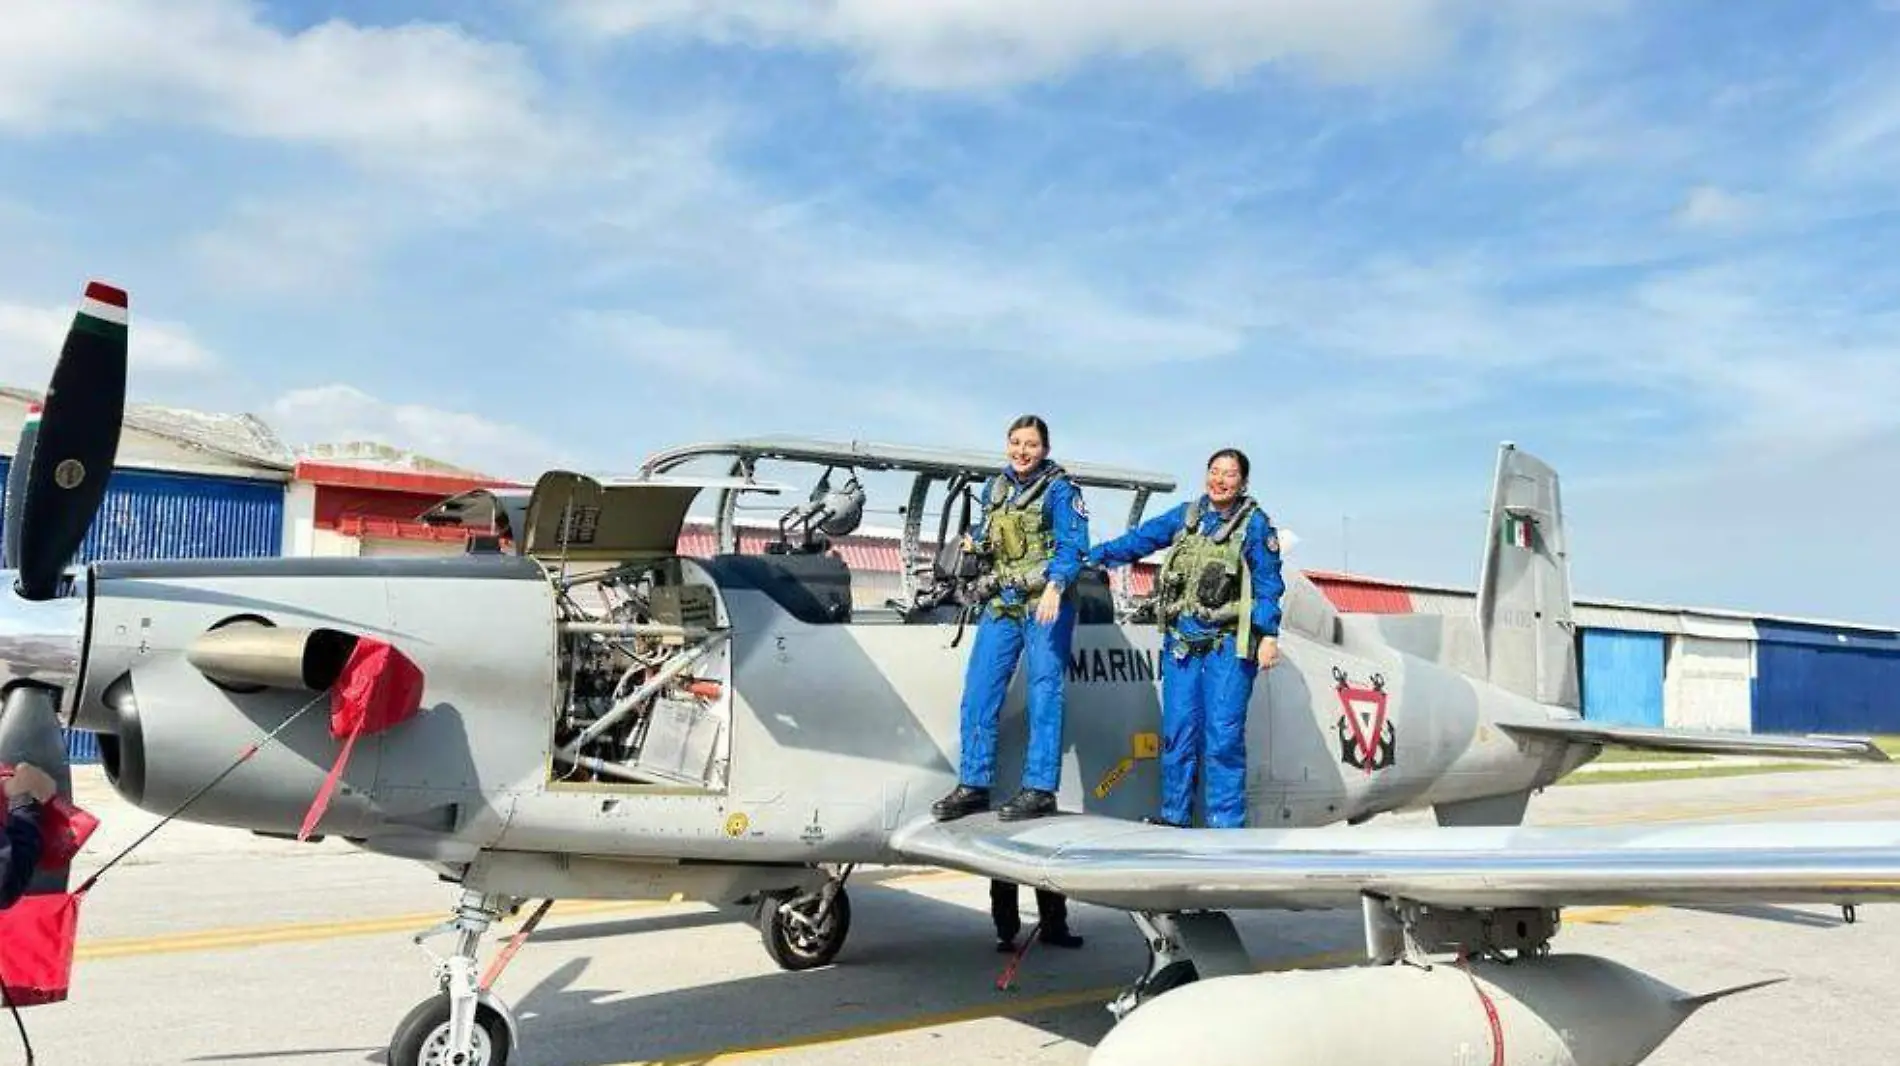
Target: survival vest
[
  {"x": 1018, "y": 536},
  {"x": 1205, "y": 575}
]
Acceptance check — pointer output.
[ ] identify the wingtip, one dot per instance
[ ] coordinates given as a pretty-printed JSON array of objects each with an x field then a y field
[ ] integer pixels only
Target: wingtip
[{"x": 1697, "y": 1002}]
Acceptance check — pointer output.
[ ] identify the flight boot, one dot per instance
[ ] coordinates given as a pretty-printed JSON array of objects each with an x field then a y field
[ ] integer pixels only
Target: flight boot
[
  {"x": 1029, "y": 803},
  {"x": 965, "y": 800}
]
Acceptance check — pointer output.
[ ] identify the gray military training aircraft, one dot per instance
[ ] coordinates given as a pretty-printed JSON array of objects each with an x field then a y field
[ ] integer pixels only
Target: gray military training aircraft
[{"x": 605, "y": 718}]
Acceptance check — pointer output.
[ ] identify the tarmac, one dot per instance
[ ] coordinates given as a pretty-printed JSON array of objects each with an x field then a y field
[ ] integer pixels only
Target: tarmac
[{"x": 214, "y": 946}]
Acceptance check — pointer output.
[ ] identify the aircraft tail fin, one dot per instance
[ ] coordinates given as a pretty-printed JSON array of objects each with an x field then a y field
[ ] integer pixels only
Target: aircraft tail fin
[{"x": 1523, "y": 604}]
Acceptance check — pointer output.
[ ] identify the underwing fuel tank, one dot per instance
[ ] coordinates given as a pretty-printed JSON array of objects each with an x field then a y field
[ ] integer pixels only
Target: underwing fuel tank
[{"x": 1562, "y": 1010}]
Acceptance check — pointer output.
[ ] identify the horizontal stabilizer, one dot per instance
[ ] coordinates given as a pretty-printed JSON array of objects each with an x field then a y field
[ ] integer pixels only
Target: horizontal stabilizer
[
  {"x": 1862, "y": 749},
  {"x": 1132, "y": 866}
]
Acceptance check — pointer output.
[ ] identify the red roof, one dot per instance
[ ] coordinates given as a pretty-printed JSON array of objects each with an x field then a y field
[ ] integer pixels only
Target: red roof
[
  {"x": 1358, "y": 595},
  {"x": 423, "y": 482}
]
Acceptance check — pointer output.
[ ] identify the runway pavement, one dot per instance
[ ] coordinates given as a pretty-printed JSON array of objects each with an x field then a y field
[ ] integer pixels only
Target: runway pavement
[{"x": 217, "y": 947}]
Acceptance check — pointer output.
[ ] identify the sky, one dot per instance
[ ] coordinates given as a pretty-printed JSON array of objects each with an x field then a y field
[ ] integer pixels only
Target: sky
[{"x": 1652, "y": 244}]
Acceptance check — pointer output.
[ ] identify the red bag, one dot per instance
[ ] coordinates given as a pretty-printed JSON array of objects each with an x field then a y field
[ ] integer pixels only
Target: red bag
[
  {"x": 65, "y": 829},
  {"x": 36, "y": 947}
]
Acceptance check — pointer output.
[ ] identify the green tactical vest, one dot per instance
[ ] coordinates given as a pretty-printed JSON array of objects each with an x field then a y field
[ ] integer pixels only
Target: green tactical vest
[
  {"x": 1017, "y": 534},
  {"x": 1205, "y": 576}
]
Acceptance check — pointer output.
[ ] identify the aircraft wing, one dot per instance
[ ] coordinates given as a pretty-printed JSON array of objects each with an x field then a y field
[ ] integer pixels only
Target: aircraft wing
[
  {"x": 1132, "y": 866},
  {"x": 1711, "y": 743}
]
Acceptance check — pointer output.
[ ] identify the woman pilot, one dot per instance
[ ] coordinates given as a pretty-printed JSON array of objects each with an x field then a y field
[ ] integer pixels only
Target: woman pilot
[
  {"x": 1218, "y": 602},
  {"x": 1034, "y": 528}
]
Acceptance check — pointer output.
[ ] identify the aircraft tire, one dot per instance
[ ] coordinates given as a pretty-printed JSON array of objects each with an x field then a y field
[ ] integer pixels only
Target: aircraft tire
[
  {"x": 428, "y": 1024},
  {"x": 791, "y": 946},
  {"x": 1171, "y": 977}
]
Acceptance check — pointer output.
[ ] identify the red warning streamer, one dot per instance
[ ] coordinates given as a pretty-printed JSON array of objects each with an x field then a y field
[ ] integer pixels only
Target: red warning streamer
[{"x": 379, "y": 688}]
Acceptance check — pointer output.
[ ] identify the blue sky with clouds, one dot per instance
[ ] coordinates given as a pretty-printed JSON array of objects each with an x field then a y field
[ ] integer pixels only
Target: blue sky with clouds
[{"x": 1651, "y": 243}]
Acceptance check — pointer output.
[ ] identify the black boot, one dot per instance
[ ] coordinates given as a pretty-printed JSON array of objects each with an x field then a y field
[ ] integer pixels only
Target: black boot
[
  {"x": 1058, "y": 937},
  {"x": 963, "y": 801},
  {"x": 1029, "y": 803}
]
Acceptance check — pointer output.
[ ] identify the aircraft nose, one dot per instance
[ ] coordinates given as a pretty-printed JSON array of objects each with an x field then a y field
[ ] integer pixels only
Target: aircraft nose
[{"x": 40, "y": 640}]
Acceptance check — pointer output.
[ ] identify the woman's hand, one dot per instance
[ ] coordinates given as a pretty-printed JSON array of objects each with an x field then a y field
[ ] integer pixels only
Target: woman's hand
[
  {"x": 1050, "y": 605},
  {"x": 30, "y": 780},
  {"x": 1268, "y": 653}
]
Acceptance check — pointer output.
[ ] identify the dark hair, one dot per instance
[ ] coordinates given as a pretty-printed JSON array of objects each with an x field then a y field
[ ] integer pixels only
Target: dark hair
[
  {"x": 1237, "y": 456},
  {"x": 1031, "y": 422}
]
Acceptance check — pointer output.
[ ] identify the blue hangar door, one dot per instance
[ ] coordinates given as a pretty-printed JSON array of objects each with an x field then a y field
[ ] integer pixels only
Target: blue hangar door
[
  {"x": 152, "y": 515},
  {"x": 1814, "y": 679},
  {"x": 1623, "y": 677}
]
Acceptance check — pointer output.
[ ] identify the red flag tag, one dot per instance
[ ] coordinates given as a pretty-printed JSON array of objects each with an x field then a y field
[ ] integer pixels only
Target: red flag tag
[{"x": 379, "y": 688}]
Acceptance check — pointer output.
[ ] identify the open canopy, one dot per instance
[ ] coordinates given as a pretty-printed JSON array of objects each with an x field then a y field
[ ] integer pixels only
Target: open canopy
[{"x": 587, "y": 518}]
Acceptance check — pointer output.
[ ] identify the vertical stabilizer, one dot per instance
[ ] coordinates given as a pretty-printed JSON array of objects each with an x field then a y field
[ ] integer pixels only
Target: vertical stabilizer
[{"x": 1524, "y": 586}]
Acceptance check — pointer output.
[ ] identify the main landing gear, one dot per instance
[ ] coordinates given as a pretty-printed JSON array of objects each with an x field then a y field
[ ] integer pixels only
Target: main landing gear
[
  {"x": 465, "y": 1024},
  {"x": 804, "y": 932},
  {"x": 1183, "y": 947}
]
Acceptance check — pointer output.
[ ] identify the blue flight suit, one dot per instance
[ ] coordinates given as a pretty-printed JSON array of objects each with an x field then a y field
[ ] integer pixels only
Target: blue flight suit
[
  {"x": 1205, "y": 683},
  {"x": 1003, "y": 636}
]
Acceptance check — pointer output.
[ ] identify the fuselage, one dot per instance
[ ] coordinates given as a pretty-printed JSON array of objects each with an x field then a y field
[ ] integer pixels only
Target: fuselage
[{"x": 835, "y": 731}]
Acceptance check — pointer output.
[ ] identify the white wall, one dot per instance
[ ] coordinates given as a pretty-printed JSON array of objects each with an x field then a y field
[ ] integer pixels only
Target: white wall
[{"x": 1706, "y": 684}]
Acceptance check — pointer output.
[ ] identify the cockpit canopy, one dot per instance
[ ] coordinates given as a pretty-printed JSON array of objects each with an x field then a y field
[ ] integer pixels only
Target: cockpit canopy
[{"x": 581, "y": 518}]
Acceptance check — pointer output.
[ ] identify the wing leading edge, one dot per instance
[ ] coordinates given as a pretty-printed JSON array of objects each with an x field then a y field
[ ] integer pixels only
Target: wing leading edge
[{"x": 1138, "y": 867}]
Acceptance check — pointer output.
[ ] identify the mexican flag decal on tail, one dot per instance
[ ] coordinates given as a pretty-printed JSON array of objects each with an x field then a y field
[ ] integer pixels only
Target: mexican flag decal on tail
[
  {"x": 103, "y": 311},
  {"x": 1517, "y": 530}
]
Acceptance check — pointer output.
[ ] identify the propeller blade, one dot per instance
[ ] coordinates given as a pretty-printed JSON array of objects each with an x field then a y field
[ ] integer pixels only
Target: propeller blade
[
  {"x": 16, "y": 489},
  {"x": 78, "y": 442}
]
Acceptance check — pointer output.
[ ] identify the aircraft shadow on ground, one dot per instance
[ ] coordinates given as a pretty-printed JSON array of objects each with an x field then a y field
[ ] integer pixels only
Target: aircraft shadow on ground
[
  {"x": 1784, "y": 915},
  {"x": 912, "y": 961}
]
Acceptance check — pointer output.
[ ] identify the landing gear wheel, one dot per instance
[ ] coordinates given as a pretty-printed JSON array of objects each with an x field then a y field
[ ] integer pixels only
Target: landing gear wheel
[
  {"x": 1171, "y": 977},
  {"x": 1849, "y": 914},
  {"x": 422, "y": 1037},
  {"x": 795, "y": 938}
]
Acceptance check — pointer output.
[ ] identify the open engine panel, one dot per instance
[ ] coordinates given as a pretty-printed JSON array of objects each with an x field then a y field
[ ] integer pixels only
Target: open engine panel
[{"x": 643, "y": 683}]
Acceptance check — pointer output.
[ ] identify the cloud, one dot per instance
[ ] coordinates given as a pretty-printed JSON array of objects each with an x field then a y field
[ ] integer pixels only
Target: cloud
[
  {"x": 338, "y": 413},
  {"x": 31, "y": 337},
  {"x": 422, "y": 99},
  {"x": 705, "y": 356},
  {"x": 1710, "y": 207},
  {"x": 965, "y": 44},
  {"x": 288, "y": 246}
]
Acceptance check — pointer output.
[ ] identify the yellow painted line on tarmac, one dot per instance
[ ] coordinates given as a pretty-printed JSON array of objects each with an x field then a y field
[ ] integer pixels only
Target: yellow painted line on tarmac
[{"x": 299, "y": 932}]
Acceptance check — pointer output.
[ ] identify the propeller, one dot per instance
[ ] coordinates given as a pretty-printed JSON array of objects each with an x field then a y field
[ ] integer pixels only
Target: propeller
[
  {"x": 68, "y": 444},
  {"x": 65, "y": 455}
]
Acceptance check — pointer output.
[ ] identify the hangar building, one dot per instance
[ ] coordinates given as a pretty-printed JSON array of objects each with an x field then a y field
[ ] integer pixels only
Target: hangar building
[
  {"x": 1696, "y": 668},
  {"x": 186, "y": 485}
]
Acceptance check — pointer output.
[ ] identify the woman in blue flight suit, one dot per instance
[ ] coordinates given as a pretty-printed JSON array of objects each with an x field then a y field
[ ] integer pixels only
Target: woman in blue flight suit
[
  {"x": 1218, "y": 592},
  {"x": 1034, "y": 528}
]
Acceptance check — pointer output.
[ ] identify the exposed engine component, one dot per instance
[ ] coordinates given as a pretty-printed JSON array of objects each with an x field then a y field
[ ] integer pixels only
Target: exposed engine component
[{"x": 641, "y": 667}]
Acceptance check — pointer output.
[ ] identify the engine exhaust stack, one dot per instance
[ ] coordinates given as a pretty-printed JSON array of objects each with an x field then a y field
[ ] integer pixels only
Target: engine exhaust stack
[
  {"x": 1574, "y": 1010},
  {"x": 253, "y": 655}
]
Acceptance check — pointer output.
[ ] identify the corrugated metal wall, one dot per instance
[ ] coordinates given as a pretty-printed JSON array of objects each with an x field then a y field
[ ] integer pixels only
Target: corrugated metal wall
[
  {"x": 1709, "y": 684},
  {"x": 1813, "y": 679},
  {"x": 1623, "y": 677},
  {"x": 152, "y": 515}
]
